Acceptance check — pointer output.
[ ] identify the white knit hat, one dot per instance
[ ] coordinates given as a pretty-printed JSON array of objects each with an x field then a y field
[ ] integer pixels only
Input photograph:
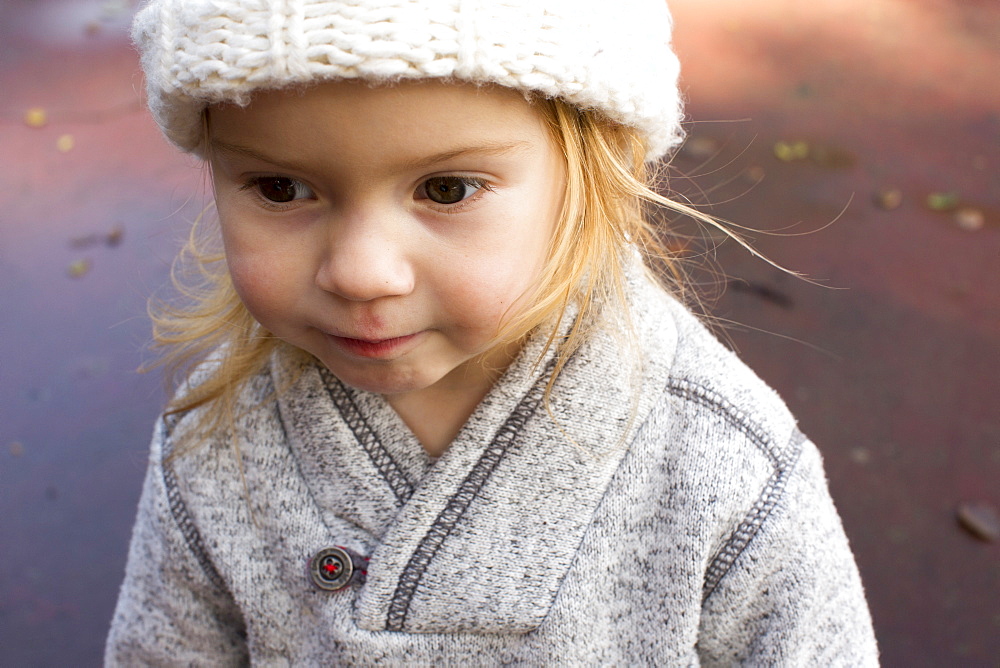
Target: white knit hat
[{"x": 613, "y": 56}]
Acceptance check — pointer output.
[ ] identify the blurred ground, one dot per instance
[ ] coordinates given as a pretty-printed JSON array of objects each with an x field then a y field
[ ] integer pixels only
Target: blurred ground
[{"x": 866, "y": 133}]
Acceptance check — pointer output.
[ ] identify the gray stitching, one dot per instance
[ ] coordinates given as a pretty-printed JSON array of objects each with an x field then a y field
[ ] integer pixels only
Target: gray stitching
[
  {"x": 753, "y": 521},
  {"x": 446, "y": 521},
  {"x": 180, "y": 512},
  {"x": 366, "y": 436},
  {"x": 783, "y": 461},
  {"x": 736, "y": 417}
]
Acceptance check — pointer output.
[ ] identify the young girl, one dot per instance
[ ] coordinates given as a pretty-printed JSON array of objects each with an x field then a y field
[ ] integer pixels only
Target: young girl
[{"x": 438, "y": 410}]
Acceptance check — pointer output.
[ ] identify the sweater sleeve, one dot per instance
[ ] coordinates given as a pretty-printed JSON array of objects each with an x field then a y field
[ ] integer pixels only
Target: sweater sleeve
[
  {"x": 793, "y": 596},
  {"x": 173, "y": 609}
]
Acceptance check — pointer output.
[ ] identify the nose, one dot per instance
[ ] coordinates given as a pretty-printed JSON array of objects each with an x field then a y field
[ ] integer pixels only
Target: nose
[{"x": 365, "y": 260}]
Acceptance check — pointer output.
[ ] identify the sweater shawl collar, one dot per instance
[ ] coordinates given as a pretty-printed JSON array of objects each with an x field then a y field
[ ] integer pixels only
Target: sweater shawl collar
[{"x": 480, "y": 540}]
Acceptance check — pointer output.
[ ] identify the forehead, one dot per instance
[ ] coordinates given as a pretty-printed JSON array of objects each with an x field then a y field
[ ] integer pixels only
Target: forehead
[{"x": 404, "y": 122}]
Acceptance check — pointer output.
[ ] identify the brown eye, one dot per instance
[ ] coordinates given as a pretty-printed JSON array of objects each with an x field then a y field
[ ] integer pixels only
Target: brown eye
[
  {"x": 281, "y": 189},
  {"x": 450, "y": 189}
]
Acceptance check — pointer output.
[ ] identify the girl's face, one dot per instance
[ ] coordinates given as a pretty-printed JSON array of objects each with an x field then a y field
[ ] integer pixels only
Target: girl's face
[{"x": 387, "y": 231}]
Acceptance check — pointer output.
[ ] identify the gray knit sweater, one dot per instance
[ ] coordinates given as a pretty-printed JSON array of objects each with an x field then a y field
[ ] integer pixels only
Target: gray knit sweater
[{"x": 691, "y": 525}]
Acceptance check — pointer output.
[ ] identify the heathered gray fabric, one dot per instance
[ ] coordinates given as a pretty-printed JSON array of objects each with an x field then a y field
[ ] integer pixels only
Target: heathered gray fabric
[{"x": 690, "y": 526}]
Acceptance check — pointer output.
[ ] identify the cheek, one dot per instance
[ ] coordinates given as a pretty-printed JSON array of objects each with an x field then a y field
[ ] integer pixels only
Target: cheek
[
  {"x": 246, "y": 281},
  {"x": 258, "y": 283},
  {"x": 473, "y": 294},
  {"x": 257, "y": 261},
  {"x": 484, "y": 288}
]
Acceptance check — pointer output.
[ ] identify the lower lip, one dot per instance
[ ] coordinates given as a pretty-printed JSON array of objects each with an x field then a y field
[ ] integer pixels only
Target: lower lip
[{"x": 383, "y": 349}]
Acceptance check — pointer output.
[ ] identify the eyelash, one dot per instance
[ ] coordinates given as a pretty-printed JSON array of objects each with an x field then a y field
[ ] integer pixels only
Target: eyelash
[
  {"x": 481, "y": 185},
  {"x": 254, "y": 184}
]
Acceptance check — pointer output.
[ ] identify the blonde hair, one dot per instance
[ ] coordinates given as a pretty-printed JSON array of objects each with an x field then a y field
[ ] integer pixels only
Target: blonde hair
[{"x": 604, "y": 219}]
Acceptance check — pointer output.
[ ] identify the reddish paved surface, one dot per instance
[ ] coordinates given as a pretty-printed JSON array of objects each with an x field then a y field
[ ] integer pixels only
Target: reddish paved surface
[{"x": 893, "y": 373}]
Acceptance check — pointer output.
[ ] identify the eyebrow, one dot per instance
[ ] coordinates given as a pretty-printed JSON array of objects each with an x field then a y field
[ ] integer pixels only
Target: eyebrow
[
  {"x": 485, "y": 149},
  {"x": 224, "y": 147}
]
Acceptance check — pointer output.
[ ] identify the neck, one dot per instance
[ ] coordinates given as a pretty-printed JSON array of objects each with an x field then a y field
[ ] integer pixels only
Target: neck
[
  {"x": 435, "y": 416},
  {"x": 437, "y": 413}
]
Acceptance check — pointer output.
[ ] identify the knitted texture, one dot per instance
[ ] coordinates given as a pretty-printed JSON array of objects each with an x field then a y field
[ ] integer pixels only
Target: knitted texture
[
  {"x": 614, "y": 57},
  {"x": 690, "y": 525}
]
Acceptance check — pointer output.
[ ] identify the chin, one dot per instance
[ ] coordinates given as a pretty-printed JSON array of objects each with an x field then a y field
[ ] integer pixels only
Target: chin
[{"x": 383, "y": 380}]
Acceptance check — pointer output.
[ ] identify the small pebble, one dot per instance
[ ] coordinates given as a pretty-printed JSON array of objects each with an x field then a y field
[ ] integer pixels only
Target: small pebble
[
  {"x": 789, "y": 151},
  {"x": 115, "y": 236},
  {"x": 981, "y": 520},
  {"x": 36, "y": 117},
  {"x": 969, "y": 219},
  {"x": 805, "y": 90},
  {"x": 754, "y": 174},
  {"x": 16, "y": 448},
  {"x": 889, "y": 198},
  {"x": 701, "y": 147},
  {"x": 65, "y": 143},
  {"x": 832, "y": 157},
  {"x": 942, "y": 201},
  {"x": 78, "y": 268},
  {"x": 861, "y": 456}
]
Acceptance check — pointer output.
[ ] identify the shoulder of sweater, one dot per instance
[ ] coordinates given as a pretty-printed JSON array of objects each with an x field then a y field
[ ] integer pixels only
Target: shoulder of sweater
[
  {"x": 726, "y": 443},
  {"x": 711, "y": 411},
  {"x": 706, "y": 380},
  {"x": 255, "y": 395},
  {"x": 195, "y": 471}
]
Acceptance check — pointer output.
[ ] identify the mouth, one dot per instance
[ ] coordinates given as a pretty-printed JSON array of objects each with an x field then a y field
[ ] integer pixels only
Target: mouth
[{"x": 374, "y": 348}]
